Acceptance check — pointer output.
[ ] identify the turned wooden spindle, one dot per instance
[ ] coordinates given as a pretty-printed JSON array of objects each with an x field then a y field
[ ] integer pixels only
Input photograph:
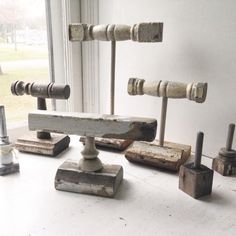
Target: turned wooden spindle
[{"x": 142, "y": 32}]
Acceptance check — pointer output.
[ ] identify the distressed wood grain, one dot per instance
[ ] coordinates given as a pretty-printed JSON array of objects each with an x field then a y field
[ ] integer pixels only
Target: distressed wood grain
[
  {"x": 171, "y": 156},
  {"x": 94, "y": 125}
]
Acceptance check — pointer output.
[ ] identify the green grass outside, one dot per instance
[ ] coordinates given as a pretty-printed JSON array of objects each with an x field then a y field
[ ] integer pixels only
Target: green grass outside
[
  {"x": 8, "y": 53},
  {"x": 18, "y": 107}
]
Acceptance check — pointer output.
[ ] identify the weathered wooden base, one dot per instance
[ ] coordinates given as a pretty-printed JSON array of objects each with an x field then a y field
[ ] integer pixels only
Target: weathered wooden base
[
  {"x": 108, "y": 143},
  {"x": 170, "y": 157},
  {"x": 225, "y": 166},
  {"x": 48, "y": 147},
  {"x": 195, "y": 182},
  {"x": 9, "y": 168},
  {"x": 102, "y": 183}
]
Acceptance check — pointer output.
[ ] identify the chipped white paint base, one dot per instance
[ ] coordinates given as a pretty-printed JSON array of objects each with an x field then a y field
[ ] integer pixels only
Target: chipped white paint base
[
  {"x": 148, "y": 202},
  {"x": 83, "y": 188},
  {"x": 105, "y": 182},
  {"x": 171, "y": 156}
]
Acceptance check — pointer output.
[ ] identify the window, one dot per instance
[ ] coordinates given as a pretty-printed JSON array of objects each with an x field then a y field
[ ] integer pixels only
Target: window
[
  {"x": 23, "y": 53},
  {"x": 34, "y": 46}
]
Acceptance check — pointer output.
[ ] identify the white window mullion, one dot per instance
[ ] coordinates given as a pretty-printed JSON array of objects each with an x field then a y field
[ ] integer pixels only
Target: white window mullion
[
  {"x": 72, "y": 56},
  {"x": 90, "y": 59},
  {"x": 66, "y": 55}
]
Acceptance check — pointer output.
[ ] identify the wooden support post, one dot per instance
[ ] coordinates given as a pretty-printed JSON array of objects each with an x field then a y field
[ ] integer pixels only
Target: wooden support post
[
  {"x": 113, "y": 81},
  {"x": 41, "y": 105},
  {"x": 163, "y": 121}
]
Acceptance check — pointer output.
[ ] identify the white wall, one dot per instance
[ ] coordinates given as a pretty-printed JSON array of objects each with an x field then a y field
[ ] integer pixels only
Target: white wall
[{"x": 199, "y": 44}]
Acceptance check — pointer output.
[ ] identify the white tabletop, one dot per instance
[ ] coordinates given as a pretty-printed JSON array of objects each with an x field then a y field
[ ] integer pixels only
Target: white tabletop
[{"x": 148, "y": 202}]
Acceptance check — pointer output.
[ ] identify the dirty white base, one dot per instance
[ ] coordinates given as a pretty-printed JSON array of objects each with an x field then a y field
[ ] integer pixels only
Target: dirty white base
[{"x": 148, "y": 202}]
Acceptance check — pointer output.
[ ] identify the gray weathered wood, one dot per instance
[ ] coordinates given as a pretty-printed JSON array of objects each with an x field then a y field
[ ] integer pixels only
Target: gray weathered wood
[
  {"x": 224, "y": 166},
  {"x": 195, "y": 182},
  {"x": 94, "y": 125},
  {"x": 104, "y": 183},
  {"x": 196, "y": 179}
]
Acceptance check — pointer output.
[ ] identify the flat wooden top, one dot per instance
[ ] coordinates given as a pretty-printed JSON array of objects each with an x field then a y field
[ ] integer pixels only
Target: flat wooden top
[{"x": 95, "y": 125}]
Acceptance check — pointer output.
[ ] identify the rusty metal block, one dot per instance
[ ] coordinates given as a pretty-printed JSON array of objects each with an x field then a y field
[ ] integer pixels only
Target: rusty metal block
[
  {"x": 104, "y": 183},
  {"x": 195, "y": 182},
  {"x": 171, "y": 156}
]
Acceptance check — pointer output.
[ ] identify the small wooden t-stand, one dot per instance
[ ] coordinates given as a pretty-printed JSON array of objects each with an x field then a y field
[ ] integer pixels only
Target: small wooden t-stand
[
  {"x": 89, "y": 175},
  {"x": 160, "y": 153},
  {"x": 43, "y": 143},
  {"x": 143, "y": 32}
]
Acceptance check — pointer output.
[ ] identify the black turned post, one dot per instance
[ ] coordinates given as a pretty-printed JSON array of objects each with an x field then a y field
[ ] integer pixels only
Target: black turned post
[{"x": 41, "y": 105}]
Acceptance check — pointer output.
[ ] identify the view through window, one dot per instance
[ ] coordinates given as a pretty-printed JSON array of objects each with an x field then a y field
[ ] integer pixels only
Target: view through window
[{"x": 23, "y": 53}]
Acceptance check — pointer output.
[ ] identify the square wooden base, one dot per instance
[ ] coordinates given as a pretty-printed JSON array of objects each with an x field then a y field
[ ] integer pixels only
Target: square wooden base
[
  {"x": 195, "y": 182},
  {"x": 171, "y": 156},
  {"x": 49, "y": 147},
  {"x": 9, "y": 168},
  {"x": 224, "y": 166},
  {"x": 102, "y": 183},
  {"x": 107, "y": 143}
]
